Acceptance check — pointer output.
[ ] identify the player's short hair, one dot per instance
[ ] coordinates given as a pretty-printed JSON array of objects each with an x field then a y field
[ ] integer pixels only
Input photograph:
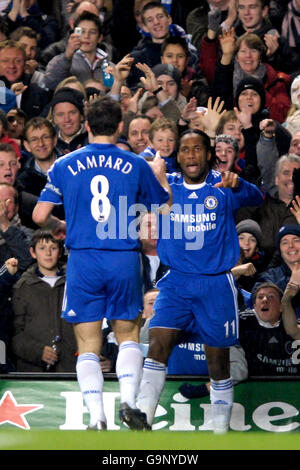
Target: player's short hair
[
  {"x": 43, "y": 234},
  {"x": 205, "y": 138},
  {"x": 37, "y": 123},
  {"x": 103, "y": 116}
]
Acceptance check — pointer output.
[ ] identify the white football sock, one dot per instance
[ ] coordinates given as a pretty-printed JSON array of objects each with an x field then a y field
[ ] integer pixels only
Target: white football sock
[
  {"x": 129, "y": 371},
  {"x": 90, "y": 380},
  {"x": 152, "y": 384},
  {"x": 221, "y": 398}
]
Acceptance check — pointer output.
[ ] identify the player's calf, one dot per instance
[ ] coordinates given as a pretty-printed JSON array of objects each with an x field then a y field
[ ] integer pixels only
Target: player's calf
[{"x": 221, "y": 397}]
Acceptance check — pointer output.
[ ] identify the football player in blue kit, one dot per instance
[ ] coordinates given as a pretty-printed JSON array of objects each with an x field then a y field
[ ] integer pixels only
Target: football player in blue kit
[
  {"x": 198, "y": 241},
  {"x": 102, "y": 188}
]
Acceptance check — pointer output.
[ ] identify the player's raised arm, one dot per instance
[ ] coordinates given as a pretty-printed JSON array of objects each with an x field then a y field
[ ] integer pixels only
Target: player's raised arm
[{"x": 159, "y": 169}]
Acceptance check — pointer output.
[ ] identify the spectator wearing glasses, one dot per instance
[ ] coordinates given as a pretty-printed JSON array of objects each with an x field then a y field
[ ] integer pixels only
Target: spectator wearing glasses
[{"x": 39, "y": 140}]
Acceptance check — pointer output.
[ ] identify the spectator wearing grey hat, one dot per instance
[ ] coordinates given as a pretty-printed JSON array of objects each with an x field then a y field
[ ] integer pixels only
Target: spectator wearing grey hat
[
  {"x": 226, "y": 153},
  {"x": 252, "y": 261},
  {"x": 67, "y": 108},
  {"x": 169, "y": 79},
  {"x": 163, "y": 81}
]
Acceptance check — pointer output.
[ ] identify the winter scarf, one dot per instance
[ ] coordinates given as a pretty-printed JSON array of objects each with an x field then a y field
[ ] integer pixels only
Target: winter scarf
[
  {"x": 239, "y": 74},
  {"x": 291, "y": 25}
]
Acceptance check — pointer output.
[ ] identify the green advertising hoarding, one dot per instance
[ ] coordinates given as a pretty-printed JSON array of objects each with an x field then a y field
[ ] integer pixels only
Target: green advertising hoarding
[{"x": 271, "y": 406}]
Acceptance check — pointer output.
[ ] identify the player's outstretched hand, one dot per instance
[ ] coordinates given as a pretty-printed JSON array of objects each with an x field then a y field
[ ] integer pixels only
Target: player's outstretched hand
[
  {"x": 229, "y": 180},
  {"x": 158, "y": 166}
]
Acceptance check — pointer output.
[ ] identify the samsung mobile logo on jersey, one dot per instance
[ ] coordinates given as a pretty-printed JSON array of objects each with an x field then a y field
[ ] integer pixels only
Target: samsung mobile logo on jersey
[
  {"x": 192, "y": 218},
  {"x": 186, "y": 222}
]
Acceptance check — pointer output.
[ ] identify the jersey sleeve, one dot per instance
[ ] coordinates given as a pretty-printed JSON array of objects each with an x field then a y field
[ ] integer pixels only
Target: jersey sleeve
[
  {"x": 51, "y": 192},
  {"x": 247, "y": 194}
]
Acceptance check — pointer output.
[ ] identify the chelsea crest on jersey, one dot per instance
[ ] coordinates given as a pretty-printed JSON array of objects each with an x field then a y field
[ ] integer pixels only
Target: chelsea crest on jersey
[{"x": 199, "y": 235}]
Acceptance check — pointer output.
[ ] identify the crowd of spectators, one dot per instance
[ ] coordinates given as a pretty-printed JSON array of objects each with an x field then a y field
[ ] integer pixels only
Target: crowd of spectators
[{"x": 230, "y": 68}]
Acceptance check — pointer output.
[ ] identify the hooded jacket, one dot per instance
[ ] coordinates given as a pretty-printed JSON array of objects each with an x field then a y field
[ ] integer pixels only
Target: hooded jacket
[{"x": 37, "y": 320}]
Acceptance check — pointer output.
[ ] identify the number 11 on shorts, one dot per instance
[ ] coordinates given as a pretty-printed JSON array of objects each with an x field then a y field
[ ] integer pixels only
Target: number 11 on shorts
[{"x": 229, "y": 328}]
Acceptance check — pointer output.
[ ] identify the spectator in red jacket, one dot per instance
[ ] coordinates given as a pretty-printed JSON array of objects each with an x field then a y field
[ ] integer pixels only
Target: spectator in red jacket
[{"x": 242, "y": 59}]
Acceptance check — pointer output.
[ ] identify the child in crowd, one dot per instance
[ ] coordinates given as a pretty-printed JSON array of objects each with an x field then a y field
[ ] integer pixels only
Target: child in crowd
[
  {"x": 8, "y": 276},
  {"x": 42, "y": 340},
  {"x": 229, "y": 124},
  {"x": 226, "y": 153},
  {"x": 252, "y": 260},
  {"x": 163, "y": 138}
]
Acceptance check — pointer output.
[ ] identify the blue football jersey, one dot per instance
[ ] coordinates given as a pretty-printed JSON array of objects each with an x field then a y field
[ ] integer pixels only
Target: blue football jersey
[
  {"x": 103, "y": 190},
  {"x": 198, "y": 236}
]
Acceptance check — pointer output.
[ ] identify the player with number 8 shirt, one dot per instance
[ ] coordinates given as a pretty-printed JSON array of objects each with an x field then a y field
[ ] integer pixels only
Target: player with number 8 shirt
[{"x": 95, "y": 184}]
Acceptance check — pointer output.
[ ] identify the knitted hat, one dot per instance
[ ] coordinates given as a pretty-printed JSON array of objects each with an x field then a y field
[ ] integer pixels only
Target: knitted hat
[
  {"x": 167, "y": 69},
  {"x": 251, "y": 83},
  {"x": 228, "y": 139},
  {"x": 250, "y": 226},
  {"x": 69, "y": 95},
  {"x": 292, "y": 229}
]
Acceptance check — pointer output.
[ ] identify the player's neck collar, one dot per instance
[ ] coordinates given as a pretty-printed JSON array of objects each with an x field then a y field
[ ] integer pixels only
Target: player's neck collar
[{"x": 192, "y": 187}]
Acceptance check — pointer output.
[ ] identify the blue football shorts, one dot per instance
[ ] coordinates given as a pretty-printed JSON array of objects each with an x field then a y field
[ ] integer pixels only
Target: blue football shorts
[
  {"x": 204, "y": 305},
  {"x": 102, "y": 284}
]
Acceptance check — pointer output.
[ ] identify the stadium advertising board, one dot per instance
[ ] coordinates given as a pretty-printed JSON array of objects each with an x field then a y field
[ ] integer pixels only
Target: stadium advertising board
[{"x": 258, "y": 406}]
